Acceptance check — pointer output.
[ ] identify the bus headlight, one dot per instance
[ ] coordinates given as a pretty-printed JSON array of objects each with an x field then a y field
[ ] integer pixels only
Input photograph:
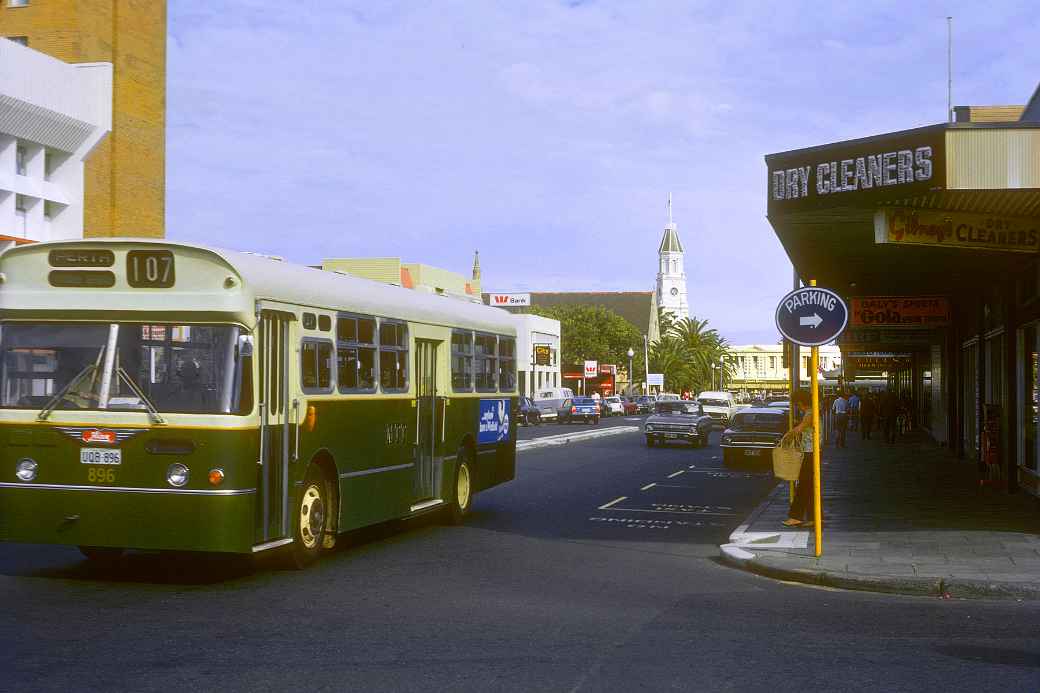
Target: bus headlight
[
  {"x": 177, "y": 474},
  {"x": 26, "y": 469}
]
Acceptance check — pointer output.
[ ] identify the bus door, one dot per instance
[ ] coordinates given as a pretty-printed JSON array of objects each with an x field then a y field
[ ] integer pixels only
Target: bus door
[
  {"x": 429, "y": 413},
  {"x": 275, "y": 434}
]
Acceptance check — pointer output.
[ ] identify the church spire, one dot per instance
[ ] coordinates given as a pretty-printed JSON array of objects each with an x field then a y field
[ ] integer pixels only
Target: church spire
[{"x": 476, "y": 265}]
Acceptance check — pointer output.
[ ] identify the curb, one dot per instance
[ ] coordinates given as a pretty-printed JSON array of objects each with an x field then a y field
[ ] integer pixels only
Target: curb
[
  {"x": 738, "y": 557},
  {"x": 565, "y": 438}
]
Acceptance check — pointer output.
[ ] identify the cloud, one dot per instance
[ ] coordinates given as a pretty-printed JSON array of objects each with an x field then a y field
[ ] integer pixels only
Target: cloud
[{"x": 545, "y": 134}]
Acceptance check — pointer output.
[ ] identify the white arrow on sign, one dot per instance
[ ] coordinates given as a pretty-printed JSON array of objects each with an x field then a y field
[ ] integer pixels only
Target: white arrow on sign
[{"x": 813, "y": 321}]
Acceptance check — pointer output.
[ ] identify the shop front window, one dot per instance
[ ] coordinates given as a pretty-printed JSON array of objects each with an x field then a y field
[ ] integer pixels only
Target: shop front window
[{"x": 1031, "y": 395}]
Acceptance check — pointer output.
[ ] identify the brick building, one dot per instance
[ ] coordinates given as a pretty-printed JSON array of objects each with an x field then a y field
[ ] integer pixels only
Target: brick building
[{"x": 124, "y": 177}]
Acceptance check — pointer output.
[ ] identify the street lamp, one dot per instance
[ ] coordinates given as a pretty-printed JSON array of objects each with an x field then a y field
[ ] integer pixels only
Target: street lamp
[
  {"x": 631, "y": 353},
  {"x": 722, "y": 371},
  {"x": 713, "y": 369}
]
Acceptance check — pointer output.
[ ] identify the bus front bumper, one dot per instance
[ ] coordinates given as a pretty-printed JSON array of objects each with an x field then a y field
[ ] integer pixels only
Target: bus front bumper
[{"x": 149, "y": 519}]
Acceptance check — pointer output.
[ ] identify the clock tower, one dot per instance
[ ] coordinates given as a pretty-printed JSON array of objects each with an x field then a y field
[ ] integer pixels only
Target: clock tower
[{"x": 671, "y": 275}]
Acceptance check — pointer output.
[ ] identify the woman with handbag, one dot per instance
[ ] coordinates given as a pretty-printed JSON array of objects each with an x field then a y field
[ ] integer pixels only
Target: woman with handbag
[{"x": 802, "y": 506}]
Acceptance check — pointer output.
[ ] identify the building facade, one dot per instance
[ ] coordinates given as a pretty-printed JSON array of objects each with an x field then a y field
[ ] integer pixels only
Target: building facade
[
  {"x": 538, "y": 353},
  {"x": 125, "y": 174},
  {"x": 410, "y": 275},
  {"x": 756, "y": 368},
  {"x": 671, "y": 291},
  {"x": 52, "y": 116},
  {"x": 932, "y": 235}
]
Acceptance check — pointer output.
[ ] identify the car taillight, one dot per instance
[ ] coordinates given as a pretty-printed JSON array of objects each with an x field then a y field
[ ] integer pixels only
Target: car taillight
[{"x": 574, "y": 410}]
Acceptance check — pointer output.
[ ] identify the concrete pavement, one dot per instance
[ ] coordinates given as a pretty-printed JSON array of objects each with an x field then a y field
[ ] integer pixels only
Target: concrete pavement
[{"x": 908, "y": 518}]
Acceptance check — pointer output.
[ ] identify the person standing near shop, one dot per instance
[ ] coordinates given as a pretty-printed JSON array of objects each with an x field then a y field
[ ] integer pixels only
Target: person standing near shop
[
  {"x": 854, "y": 406},
  {"x": 867, "y": 411},
  {"x": 889, "y": 410},
  {"x": 840, "y": 409},
  {"x": 802, "y": 506}
]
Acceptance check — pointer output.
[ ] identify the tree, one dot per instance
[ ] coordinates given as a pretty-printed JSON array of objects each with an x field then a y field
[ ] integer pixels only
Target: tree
[
  {"x": 595, "y": 333},
  {"x": 686, "y": 352}
]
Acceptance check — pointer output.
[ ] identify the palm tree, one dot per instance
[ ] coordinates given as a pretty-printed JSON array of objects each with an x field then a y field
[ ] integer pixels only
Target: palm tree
[{"x": 688, "y": 349}]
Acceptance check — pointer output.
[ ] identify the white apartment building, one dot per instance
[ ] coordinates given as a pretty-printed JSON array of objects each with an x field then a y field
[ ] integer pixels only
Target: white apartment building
[
  {"x": 757, "y": 367},
  {"x": 532, "y": 331},
  {"x": 52, "y": 114}
]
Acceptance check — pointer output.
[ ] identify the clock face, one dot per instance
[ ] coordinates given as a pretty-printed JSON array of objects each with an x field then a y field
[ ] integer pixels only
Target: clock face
[{"x": 675, "y": 292}]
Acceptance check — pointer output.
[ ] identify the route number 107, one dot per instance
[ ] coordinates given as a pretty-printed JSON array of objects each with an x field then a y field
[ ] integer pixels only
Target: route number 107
[{"x": 151, "y": 269}]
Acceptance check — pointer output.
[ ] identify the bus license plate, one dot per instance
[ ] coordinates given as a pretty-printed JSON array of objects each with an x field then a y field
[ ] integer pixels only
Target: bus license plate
[
  {"x": 100, "y": 456},
  {"x": 751, "y": 452}
]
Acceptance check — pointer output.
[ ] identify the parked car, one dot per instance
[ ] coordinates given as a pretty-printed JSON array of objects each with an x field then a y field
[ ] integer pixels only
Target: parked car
[
  {"x": 528, "y": 414},
  {"x": 578, "y": 408},
  {"x": 752, "y": 435},
  {"x": 678, "y": 421},
  {"x": 668, "y": 397},
  {"x": 631, "y": 407},
  {"x": 718, "y": 405},
  {"x": 612, "y": 406},
  {"x": 645, "y": 404}
]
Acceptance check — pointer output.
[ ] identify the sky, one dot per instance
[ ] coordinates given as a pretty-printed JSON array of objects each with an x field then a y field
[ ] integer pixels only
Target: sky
[{"x": 548, "y": 135}]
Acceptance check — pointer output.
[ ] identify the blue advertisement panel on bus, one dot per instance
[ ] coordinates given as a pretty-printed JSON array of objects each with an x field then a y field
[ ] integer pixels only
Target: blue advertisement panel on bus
[{"x": 494, "y": 421}]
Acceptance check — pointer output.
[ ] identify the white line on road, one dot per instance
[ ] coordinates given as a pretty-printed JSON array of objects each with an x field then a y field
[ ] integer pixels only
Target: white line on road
[
  {"x": 616, "y": 500},
  {"x": 671, "y": 512},
  {"x": 693, "y": 466},
  {"x": 648, "y": 486},
  {"x": 676, "y": 473},
  {"x": 565, "y": 438}
]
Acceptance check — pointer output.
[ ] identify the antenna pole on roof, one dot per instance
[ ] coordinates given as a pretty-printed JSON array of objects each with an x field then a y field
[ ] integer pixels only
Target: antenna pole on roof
[{"x": 949, "y": 69}]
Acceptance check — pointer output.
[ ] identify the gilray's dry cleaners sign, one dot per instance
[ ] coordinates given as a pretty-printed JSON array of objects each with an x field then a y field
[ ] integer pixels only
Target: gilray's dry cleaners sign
[{"x": 955, "y": 230}]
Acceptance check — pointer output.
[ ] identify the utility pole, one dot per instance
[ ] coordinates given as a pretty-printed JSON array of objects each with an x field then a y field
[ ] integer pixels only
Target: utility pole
[{"x": 949, "y": 69}]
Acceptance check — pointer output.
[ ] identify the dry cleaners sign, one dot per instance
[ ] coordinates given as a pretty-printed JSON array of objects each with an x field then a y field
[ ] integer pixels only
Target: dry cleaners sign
[
  {"x": 883, "y": 169},
  {"x": 956, "y": 230}
]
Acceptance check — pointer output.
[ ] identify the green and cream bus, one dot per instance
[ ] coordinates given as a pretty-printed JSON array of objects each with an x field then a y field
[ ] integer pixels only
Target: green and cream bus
[{"x": 165, "y": 396}]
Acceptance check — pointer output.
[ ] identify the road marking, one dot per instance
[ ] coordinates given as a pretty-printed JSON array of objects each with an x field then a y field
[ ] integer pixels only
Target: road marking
[
  {"x": 676, "y": 473},
  {"x": 633, "y": 418},
  {"x": 616, "y": 500},
  {"x": 648, "y": 486},
  {"x": 672, "y": 512},
  {"x": 693, "y": 466}
]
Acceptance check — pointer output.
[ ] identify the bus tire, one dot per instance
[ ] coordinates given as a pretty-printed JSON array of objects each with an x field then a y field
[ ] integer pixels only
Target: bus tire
[
  {"x": 462, "y": 489},
  {"x": 102, "y": 555},
  {"x": 310, "y": 519}
]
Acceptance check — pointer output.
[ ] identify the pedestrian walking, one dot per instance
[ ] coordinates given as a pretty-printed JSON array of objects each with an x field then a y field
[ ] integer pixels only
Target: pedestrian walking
[
  {"x": 867, "y": 413},
  {"x": 840, "y": 409},
  {"x": 802, "y": 506},
  {"x": 889, "y": 411},
  {"x": 854, "y": 406}
]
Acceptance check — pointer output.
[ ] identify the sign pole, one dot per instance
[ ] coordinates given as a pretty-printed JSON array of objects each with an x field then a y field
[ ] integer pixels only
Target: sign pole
[{"x": 814, "y": 386}]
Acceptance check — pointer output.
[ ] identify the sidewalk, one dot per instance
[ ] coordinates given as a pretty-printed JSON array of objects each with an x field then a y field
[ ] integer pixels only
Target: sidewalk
[{"x": 908, "y": 518}]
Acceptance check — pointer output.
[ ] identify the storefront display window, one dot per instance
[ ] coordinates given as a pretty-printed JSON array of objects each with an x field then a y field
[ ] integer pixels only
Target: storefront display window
[{"x": 1030, "y": 397}]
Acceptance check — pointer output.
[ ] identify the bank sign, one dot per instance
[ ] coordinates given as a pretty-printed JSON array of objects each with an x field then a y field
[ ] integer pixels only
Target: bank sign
[
  {"x": 505, "y": 300},
  {"x": 493, "y": 426},
  {"x": 859, "y": 171},
  {"x": 811, "y": 316}
]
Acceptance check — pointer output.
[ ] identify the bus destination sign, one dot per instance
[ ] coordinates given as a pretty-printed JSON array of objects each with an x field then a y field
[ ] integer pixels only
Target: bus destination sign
[{"x": 81, "y": 257}]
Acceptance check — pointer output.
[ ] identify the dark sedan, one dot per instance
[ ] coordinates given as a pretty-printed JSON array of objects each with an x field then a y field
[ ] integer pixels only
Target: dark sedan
[
  {"x": 752, "y": 435},
  {"x": 678, "y": 421},
  {"x": 645, "y": 404},
  {"x": 578, "y": 409},
  {"x": 528, "y": 413}
]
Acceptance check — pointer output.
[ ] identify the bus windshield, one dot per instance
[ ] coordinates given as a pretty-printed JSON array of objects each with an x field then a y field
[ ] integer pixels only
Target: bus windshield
[{"x": 119, "y": 366}]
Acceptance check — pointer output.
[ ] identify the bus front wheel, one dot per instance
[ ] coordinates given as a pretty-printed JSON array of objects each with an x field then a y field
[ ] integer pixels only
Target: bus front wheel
[
  {"x": 462, "y": 489},
  {"x": 311, "y": 519}
]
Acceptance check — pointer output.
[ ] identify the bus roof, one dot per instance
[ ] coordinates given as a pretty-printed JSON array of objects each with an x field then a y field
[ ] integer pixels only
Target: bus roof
[{"x": 26, "y": 289}]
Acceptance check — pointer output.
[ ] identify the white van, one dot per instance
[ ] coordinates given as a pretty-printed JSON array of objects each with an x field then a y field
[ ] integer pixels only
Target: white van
[
  {"x": 720, "y": 406},
  {"x": 549, "y": 399}
]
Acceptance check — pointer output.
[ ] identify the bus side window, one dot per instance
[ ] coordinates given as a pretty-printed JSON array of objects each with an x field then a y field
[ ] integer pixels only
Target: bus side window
[
  {"x": 356, "y": 353},
  {"x": 393, "y": 355},
  {"x": 486, "y": 359},
  {"x": 461, "y": 360},
  {"x": 316, "y": 366},
  {"x": 506, "y": 364}
]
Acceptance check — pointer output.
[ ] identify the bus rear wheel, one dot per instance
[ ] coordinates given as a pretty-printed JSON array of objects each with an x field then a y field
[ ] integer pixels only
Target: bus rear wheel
[
  {"x": 311, "y": 519},
  {"x": 462, "y": 489}
]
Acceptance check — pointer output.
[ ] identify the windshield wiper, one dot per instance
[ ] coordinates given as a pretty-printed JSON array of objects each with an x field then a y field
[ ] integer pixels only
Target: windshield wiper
[
  {"x": 140, "y": 393},
  {"x": 60, "y": 394}
]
